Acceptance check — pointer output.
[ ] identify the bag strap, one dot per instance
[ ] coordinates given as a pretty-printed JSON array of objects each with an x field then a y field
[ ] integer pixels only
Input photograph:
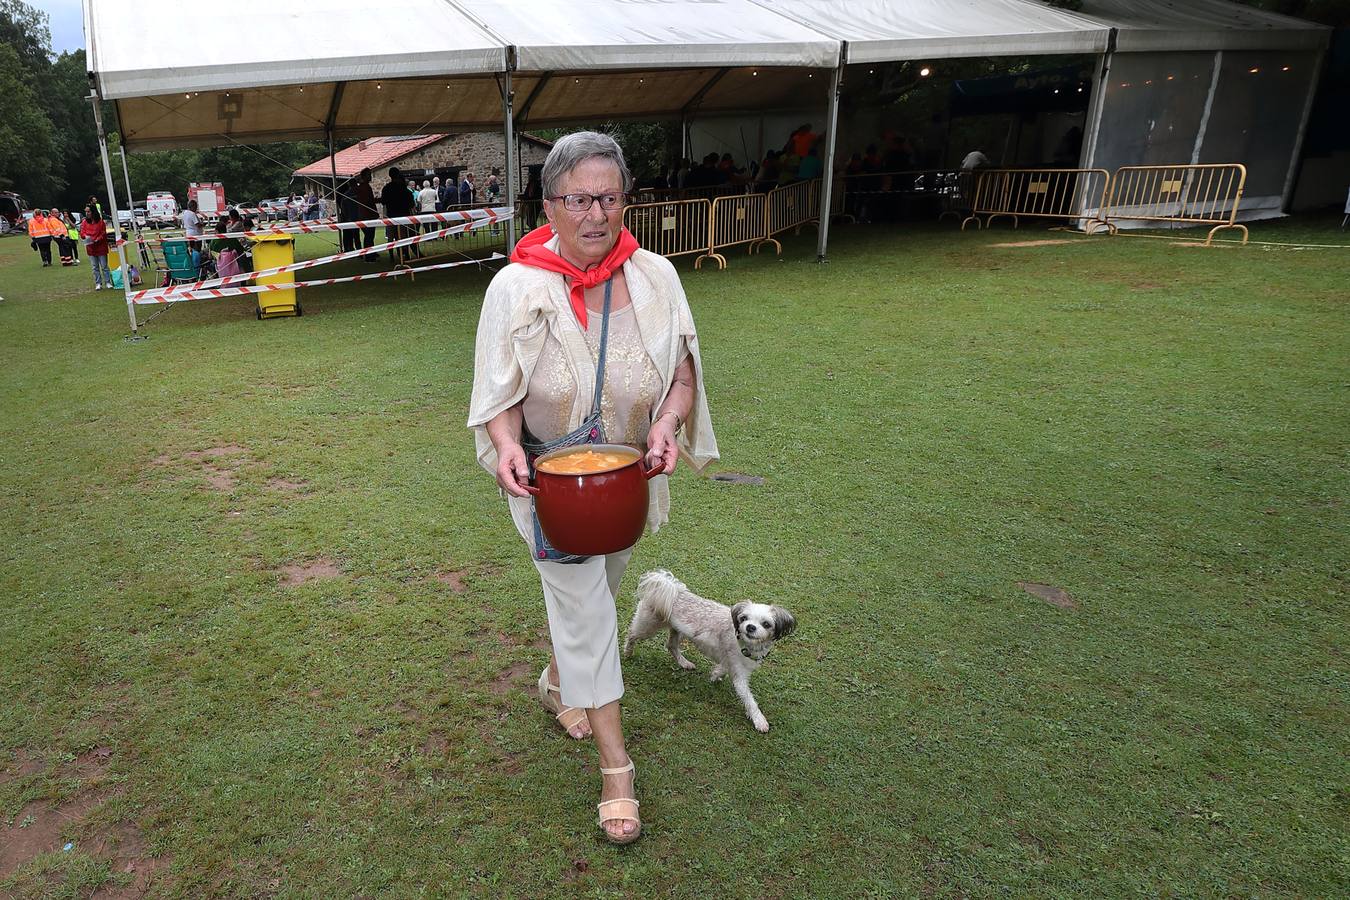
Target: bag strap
[{"x": 604, "y": 342}]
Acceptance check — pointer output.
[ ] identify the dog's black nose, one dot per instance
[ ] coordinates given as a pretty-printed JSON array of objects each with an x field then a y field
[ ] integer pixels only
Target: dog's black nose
[{"x": 750, "y": 628}]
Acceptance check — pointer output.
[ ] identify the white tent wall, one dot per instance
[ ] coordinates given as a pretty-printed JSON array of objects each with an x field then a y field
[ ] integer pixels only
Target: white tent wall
[{"x": 1256, "y": 119}]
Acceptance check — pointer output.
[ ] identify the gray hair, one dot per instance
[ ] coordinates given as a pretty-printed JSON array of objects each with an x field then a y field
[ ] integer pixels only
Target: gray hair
[{"x": 571, "y": 150}]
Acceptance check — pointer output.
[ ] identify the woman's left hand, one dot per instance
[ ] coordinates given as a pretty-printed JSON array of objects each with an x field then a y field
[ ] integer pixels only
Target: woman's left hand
[{"x": 662, "y": 451}]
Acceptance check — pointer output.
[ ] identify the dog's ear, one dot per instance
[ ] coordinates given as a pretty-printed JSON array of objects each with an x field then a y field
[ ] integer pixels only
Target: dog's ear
[
  {"x": 736, "y": 612},
  {"x": 783, "y": 623}
]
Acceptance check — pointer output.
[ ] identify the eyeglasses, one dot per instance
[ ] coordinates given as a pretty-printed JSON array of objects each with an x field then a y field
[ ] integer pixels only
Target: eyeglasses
[{"x": 582, "y": 202}]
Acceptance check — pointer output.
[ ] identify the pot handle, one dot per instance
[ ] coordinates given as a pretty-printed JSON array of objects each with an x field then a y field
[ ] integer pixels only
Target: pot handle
[
  {"x": 651, "y": 473},
  {"x": 530, "y": 488}
]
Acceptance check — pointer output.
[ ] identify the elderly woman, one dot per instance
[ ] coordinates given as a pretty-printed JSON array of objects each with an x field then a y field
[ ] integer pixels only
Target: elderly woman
[{"x": 535, "y": 370}]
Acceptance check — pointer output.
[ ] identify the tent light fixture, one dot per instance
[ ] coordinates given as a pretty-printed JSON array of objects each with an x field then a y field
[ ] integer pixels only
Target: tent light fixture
[
  {"x": 871, "y": 71},
  {"x": 1285, "y": 68},
  {"x": 1056, "y": 90},
  {"x": 756, "y": 72},
  {"x": 379, "y": 87},
  {"x": 1170, "y": 77},
  {"x": 925, "y": 72},
  {"x": 187, "y": 96},
  {"x": 1080, "y": 90},
  {"x": 1149, "y": 81},
  {"x": 1255, "y": 70}
]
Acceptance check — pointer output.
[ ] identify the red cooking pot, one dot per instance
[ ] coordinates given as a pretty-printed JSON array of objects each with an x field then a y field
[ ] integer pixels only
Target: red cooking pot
[{"x": 595, "y": 513}]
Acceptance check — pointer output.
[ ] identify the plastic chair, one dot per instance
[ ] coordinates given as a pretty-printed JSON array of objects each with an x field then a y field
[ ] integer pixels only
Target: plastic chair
[{"x": 178, "y": 263}]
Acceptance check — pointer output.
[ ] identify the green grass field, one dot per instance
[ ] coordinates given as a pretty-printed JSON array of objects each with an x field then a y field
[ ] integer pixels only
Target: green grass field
[{"x": 1160, "y": 431}]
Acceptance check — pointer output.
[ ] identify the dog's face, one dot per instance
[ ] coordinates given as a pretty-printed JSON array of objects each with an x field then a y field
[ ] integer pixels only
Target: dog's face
[{"x": 759, "y": 623}]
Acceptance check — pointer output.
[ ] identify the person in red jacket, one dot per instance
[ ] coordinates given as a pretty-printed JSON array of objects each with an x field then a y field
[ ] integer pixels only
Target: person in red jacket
[{"x": 94, "y": 236}]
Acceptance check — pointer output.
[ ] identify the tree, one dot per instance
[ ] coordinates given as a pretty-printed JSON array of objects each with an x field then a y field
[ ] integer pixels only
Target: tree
[{"x": 25, "y": 134}]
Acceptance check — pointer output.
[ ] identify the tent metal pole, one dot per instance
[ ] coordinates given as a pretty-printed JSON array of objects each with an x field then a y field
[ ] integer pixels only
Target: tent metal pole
[
  {"x": 1092, "y": 134},
  {"x": 827, "y": 175},
  {"x": 112, "y": 202},
  {"x": 1209, "y": 105},
  {"x": 1295, "y": 161},
  {"x": 131, "y": 202},
  {"x": 512, "y": 160},
  {"x": 332, "y": 168}
]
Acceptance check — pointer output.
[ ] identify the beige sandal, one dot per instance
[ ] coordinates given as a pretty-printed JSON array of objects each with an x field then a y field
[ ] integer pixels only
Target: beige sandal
[
  {"x": 624, "y": 809},
  {"x": 569, "y": 716}
]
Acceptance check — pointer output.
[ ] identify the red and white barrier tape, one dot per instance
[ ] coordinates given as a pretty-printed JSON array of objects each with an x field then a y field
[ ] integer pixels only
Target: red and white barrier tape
[
  {"x": 160, "y": 295},
  {"x": 323, "y": 260},
  {"x": 442, "y": 218}
]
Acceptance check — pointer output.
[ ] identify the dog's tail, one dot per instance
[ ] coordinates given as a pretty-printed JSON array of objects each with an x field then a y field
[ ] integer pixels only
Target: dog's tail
[{"x": 658, "y": 588}]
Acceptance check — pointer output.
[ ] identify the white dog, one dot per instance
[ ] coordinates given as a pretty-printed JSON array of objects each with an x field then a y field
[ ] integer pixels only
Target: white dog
[{"x": 736, "y": 638}]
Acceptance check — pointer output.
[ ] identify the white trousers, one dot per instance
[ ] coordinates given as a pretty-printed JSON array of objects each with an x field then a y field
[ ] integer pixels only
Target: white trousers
[
  {"x": 582, "y": 619},
  {"x": 584, "y": 625}
]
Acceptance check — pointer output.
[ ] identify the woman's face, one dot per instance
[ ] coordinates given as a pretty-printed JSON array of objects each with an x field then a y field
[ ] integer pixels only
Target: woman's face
[{"x": 585, "y": 238}]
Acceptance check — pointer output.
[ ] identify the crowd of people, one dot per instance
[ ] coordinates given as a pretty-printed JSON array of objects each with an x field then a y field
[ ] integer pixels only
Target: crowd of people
[{"x": 68, "y": 233}]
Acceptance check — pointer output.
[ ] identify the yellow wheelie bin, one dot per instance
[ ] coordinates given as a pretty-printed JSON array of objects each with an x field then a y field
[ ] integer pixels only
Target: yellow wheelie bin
[{"x": 270, "y": 251}]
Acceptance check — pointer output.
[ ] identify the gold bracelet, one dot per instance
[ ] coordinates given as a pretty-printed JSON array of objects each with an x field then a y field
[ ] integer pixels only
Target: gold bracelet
[{"x": 678, "y": 422}]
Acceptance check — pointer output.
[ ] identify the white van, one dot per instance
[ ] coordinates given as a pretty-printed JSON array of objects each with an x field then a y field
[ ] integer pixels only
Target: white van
[{"x": 161, "y": 209}]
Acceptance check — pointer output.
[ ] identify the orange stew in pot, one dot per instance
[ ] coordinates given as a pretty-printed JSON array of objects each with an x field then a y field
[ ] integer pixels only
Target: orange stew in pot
[{"x": 586, "y": 462}]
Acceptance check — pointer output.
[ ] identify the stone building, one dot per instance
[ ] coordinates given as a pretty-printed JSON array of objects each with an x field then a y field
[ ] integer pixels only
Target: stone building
[{"x": 424, "y": 155}]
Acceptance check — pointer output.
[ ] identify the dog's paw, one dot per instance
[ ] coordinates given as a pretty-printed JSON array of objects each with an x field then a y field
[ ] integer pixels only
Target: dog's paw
[
  {"x": 686, "y": 665},
  {"x": 761, "y": 724},
  {"x": 717, "y": 673}
]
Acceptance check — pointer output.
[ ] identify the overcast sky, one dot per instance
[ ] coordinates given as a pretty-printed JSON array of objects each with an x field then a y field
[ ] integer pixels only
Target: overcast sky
[{"x": 67, "y": 23}]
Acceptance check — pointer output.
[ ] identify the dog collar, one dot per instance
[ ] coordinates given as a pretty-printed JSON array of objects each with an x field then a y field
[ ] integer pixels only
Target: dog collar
[{"x": 760, "y": 658}]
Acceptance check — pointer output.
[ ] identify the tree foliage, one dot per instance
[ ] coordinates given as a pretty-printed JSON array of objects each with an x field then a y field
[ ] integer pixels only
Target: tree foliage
[{"x": 25, "y": 133}]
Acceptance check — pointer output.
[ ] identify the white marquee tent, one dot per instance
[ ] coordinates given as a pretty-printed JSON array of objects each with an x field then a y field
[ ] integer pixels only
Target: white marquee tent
[{"x": 258, "y": 70}]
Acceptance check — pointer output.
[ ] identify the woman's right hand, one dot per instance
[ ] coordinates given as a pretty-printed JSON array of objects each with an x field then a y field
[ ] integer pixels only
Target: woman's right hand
[{"x": 513, "y": 470}]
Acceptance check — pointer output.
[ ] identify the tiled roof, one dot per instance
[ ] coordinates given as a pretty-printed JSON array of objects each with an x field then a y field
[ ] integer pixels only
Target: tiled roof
[
  {"x": 377, "y": 152},
  {"x": 372, "y": 153}
]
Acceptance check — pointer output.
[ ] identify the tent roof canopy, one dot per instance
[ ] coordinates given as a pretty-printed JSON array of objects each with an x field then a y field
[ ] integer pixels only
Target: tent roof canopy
[
  {"x": 880, "y": 31},
  {"x": 411, "y": 66},
  {"x": 1202, "y": 25}
]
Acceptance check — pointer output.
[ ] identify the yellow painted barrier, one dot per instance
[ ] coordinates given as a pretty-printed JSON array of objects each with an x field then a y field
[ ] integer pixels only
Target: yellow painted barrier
[
  {"x": 1077, "y": 194},
  {"x": 1188, "y": 195},
  {"x": 671, "y": 229},
  {"x": 738, "y": 219}
]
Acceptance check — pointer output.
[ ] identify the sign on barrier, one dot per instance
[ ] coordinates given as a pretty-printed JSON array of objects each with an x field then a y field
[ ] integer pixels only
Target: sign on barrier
[
  {"x": 1076, "y": 194},
  {"x": 1188, "y": 195},
  {"x": 671, "y": 229}
]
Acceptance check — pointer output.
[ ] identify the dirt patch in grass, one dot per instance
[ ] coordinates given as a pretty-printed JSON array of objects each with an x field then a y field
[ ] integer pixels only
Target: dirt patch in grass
[
  {"x": 508, "y": 679},
  {"x": 124, "y": 845},
  {"x": 225, "y": 450},
  {"x": 220, "y": 479},
  {"x": 22, "y": 766},
  {"x": 1049, "y": 593},
  {"x": 312, "y": 570},
  {"x": 453, "y": 579},
  {"x": 1041, "y": 243},
  {"x": 41, "y": 827},
  {"x": 287, "y": 486}
]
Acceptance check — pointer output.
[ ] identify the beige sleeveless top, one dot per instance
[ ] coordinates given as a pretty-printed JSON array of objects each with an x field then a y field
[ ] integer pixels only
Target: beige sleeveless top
[{"x": 632, "y": 383}]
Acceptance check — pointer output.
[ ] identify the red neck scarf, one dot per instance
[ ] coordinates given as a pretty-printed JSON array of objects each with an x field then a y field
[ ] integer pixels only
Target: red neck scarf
[{"x": 530, "y": 251}]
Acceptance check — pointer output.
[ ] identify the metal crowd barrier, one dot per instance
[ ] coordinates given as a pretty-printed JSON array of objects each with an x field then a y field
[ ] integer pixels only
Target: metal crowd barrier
[
  {"x": 1077, "y": 194},
  {"x": 1189, "y": 195},
  {"x": 792, "y": 206},
  {"x": 907, "y": 195},
  {"x": 672, "y": 229},
  {"x": 738, "y": 220}
]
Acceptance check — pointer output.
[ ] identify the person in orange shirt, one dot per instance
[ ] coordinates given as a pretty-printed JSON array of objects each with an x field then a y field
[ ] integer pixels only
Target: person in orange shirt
[
  {"x": 40, "y": 234},
  {"x": 803, "y": 139}
]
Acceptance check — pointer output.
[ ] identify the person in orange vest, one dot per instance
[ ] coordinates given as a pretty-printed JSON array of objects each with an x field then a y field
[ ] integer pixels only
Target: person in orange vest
[{"x": 40, "y": 236}]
